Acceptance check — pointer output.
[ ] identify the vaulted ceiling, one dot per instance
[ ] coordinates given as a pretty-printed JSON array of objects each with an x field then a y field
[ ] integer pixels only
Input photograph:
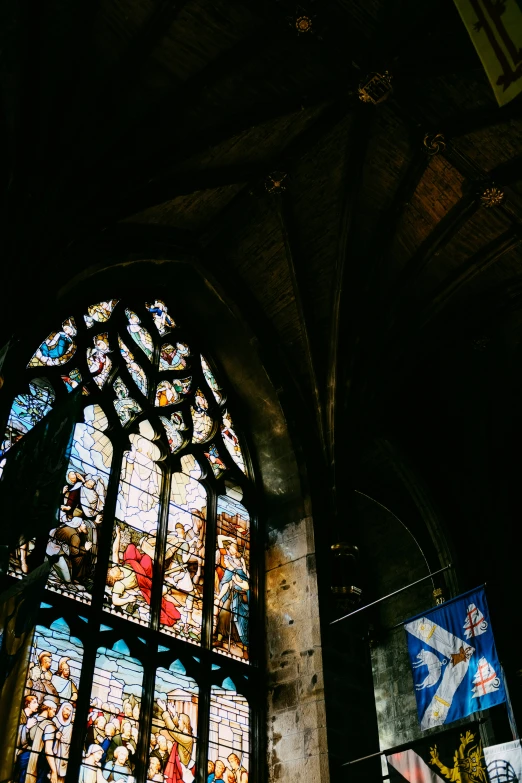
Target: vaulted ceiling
[{"x": 386, "y": 297}]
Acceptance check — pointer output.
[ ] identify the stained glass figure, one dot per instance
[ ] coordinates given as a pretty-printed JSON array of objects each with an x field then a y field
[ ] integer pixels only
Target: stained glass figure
[
  {"x": 98, "y": 361},
  {"x": 27, "y": 410},
  {"x": 232, "y": 441},
  {"x": 48, "y": 705},
  {"x": 174, "y": 726},
  {"x": 174, "y": 427},
  {"x": 185, "y": 555},
  {"x": 166, "y": 394},
  {"x": 210, "y": 378},
  {"x": 216, "y": 463},
  {"x": 232, "y": 580},
  {"x": 229, "y": 746},
  {"x": 169, "y": 392},
  {"x": 73, "y": 543},
  {"x": 136, "y": 372},
  {"x": 113, "y": 722},
  {"x": 58, "y": 348},
  {"x": 129, "y": 578},
  {"x": 173, "y": 358},
  {"x": 203, "y": 424},
  {"x": 72, "y": 380},
  {"x": 126, "y": 407},
  {"x": 100, "y": 312},
  {"x": 140, "y": 335},
  {"x": 162, "y": 320}
]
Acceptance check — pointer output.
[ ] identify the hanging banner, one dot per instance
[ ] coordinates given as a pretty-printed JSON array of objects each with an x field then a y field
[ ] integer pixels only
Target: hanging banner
[
  {"x": 454, "y": 755},
  {"x": 504, "y": 762},
  {"x": 454, "y": 661},
  {"x": 495, "y": 29}
]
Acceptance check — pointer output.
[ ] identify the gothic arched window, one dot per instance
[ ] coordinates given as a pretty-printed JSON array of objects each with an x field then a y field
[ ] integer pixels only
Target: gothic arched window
[{"x": 139, "y": 664}]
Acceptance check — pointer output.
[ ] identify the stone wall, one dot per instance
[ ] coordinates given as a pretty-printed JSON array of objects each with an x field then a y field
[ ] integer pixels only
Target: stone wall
[
  {"x": 395, "y": 561},
  {"x": 393, "y": 686},
  {"x": 296, "y": 735}
]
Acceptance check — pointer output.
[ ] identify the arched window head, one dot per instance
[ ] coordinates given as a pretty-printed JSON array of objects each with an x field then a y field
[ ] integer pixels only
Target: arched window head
[{"x": 138, "y": 660}]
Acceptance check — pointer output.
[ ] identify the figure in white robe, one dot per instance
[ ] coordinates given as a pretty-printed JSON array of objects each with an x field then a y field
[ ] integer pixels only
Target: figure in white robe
[{"x": 62, "y": 744}]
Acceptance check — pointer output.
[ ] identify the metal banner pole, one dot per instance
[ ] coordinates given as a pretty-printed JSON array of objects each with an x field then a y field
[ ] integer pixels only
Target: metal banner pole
[{"x": 390, "y": 595}]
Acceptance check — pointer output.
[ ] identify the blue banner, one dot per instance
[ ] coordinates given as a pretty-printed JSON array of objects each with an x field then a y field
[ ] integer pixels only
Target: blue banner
[{"x": 454, "y": 661}]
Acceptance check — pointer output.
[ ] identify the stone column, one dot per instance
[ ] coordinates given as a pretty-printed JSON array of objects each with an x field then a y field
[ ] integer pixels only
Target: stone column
[{"x": 296, "y": 733}]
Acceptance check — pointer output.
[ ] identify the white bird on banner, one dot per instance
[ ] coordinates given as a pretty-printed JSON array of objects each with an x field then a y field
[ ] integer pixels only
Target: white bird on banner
[{"x": 434, "y": 664}]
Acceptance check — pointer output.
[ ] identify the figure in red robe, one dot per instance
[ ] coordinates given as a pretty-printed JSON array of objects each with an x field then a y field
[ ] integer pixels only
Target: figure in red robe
[{"x": 134, "y": 577}]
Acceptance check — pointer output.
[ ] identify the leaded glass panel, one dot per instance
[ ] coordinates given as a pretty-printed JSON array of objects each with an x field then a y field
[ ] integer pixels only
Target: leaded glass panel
[
  {"x": 27, "y": 410},
  {"x": 155, "y": 480},
  {"x": 173, "y": 739},
  {"x": 73, "y": 543},
  {"x": 232, "y": 579},
  {"x": 229, "y": 740},
  {"x": 113, "y": 723},
  {"x": 49, "y": 703}
]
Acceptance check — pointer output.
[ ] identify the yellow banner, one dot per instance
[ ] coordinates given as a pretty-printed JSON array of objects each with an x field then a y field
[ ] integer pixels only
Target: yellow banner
[{"x": 495, "y": 28}]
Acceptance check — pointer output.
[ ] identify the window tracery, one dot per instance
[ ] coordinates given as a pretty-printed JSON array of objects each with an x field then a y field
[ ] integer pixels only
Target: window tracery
[{"x": 151, "y": 544}]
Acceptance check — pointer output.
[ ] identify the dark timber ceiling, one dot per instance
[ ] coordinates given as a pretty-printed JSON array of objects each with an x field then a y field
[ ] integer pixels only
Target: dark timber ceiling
[{"x": 387, "y": 298}]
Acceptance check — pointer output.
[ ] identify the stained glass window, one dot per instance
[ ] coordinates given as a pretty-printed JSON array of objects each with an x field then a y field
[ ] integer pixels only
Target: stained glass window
[
  {"x": 98, "y": 361},
  {"x": 232, "y": 578},
  {"x": 126, "y": 407},
  {"x": 113, "y": 722},
  {"x": 73, "y": 379},
  {"x": 27, "y": 410},
  {"x": 140, "y": 335},
  {"x": 173, "y": 358},
  {"x": 100, "y": 312},
  {"x": 136, "y": 371},
  {"x": 175, "y": 428},
  {"x": 185, "y": 555},
  {"x": 203, "y": 423},
  {"x": 144, "y": 636},
  {"x": 210, "y": 378},
  {"x": 173, "y": 738},
  {"x": 49, "y": 704},
  {"x": 58, "y": 348},
  {"x": 73, "y": 543},
  {"x": 229, "y": 741}
]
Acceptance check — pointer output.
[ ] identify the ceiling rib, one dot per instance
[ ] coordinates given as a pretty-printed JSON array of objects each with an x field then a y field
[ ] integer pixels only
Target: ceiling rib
[
  {"x": 292, "y": 153},
  {"x": 127, "y": 178},
  {"x": 443, "y": 232},
  {"x": 403, "y": 195},
  {"x": 165, "y": 114},
  {"x": 467, "y": 272},
  {"x": 357, "y": 146},
  {"x": 295, "y": 266}
]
